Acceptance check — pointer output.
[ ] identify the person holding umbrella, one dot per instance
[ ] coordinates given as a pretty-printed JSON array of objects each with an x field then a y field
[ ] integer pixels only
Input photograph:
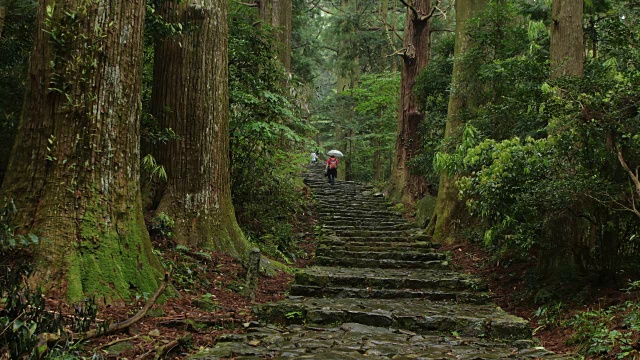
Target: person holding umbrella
[{"x": 332, "y": 165}]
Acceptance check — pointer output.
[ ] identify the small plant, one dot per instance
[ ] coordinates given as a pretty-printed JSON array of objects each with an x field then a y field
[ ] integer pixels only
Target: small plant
[
  {"x": 607, "y": 331},
  {"x": 293, "y": 315},
  {"x": 550, "y": 315},
  {"x": 162, "y": 225}
]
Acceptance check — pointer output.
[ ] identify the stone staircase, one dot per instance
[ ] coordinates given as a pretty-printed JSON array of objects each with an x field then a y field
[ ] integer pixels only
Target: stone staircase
[{"x": 380, "y": 290}]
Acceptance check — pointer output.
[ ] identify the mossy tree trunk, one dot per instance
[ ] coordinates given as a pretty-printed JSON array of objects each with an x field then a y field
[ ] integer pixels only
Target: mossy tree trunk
[
  {"x": 190, "y": 96},
  {"x": 3, "y": 14},
  {"x": 279, "y": 13},
  {"x": 567, "y": 41},
  {"x": 450, "y": 213},
  {"x": 74, "y": 169},
  {"x": 405, "y": 185}
]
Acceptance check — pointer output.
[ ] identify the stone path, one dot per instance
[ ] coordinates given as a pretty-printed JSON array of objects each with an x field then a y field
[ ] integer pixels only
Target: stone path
[{"x": 380, "y": 290}]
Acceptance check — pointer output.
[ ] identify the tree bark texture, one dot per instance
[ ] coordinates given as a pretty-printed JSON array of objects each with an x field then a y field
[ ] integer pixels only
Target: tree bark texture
[
  {"x": 279, "y": 14},
  {"x": 417, "y": 53},
  {"x": 450, "y": 213},
  {"x": 567, "y": 42},
  {"x": 191, "y": 96},
  {"x": 74, "y": 169},
  {"x": 3, "y": 14}
]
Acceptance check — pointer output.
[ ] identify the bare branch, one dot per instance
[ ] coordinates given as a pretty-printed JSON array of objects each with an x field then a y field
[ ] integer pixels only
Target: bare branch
[{"x": 623, "y": 162}]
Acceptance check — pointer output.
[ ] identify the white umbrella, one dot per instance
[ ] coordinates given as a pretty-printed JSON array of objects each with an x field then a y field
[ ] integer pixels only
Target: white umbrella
[{"x": 335, "y": 153}]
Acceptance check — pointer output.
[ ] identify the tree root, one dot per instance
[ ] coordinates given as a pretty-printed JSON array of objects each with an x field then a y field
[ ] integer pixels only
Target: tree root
[
  {"x": 46, "y": 339},
  {"x": 161, "y": 351},
  {"x": 117, "y": 341}
]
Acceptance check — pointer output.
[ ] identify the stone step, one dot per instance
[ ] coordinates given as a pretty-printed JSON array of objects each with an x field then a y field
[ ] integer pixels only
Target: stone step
[
  {"x": 417, "y": 315},
  {"x": 351, "y": 341},
  {"x": 363, "y": 218},
  {"x": 372, "y": 233},
  {"x": 381, "y": 263},
  {"x": 399, "y": 247},
  {"x": 390, "y": 254},
  {"x": 388, "y": 279},
  {"x": 356, "y": 226},
  {"x": 380, "y": 241},
  {"x": 357, "y": 212},
  {"x": 337, "y": 220},
  {"x": 370, "y": 293},
  {"x": 351, "y": 210}
]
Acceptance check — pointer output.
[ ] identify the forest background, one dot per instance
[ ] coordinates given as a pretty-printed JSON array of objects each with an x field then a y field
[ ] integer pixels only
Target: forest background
[{"x": 510, "y": 124}]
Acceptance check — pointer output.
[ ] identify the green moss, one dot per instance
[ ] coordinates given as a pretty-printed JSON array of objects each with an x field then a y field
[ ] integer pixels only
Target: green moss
[
  {"x": 112, "y": 260},
  {"x": 271, "y": 267},
  {"x": 424, "y": 210}
]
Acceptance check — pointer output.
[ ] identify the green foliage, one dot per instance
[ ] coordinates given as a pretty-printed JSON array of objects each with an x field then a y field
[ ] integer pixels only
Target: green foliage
[
  {"x": 162, "y": 225},
  {"x": 610, "y": 331},
  {"x": 539, "y": 166},
  {"x": 432, "y": 90},
  {"x": 374, "y": 125},
  {"x": 551, "y": 314},
  {"x": 151, "y": 169},
  {"x": 15, "y": 44},
  {"x": 266, "y": 134}
]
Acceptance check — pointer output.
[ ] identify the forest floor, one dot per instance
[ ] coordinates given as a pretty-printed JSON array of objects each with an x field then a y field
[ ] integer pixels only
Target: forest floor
[
  {"x": 509, "y": 287},
  {"x": 209, "y": 301}
]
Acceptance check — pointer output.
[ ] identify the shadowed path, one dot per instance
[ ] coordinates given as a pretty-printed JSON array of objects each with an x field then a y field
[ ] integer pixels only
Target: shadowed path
[{"x": 379, "y": 290}]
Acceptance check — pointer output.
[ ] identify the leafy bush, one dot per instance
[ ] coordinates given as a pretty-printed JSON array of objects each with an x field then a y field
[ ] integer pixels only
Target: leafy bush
[{"x": 265, "y": 134}]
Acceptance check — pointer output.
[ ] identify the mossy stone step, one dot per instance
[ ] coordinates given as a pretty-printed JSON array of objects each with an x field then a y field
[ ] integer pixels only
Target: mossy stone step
[
  {"x": 360, "y": 213},
  {"x": 390, "y": 254},
  {"x": 357, "y": 221},
  {"x": 399, "y": 247},
  {"x": 372, "y": 233},
  {"x": 374, "y": 227},
  {"x": 371, "y": 293},
  {"x": 388, "y": 278},
  {"x": 416, "y": 315},
  {"x": 357, "y": 341},
  {"x": 381, "y": 263},
  {"x": 417, "y": 241}
]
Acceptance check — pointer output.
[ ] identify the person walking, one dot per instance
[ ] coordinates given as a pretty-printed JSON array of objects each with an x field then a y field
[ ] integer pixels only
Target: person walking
[
  {"x": 332, "y": 169},
  {"x": 314, "y": 157}
]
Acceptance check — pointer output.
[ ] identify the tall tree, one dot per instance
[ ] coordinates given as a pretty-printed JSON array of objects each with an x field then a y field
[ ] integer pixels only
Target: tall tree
[
  {"x": 450, "y": 212},
  {"x": 279, "y": 13},
  {"x": 3, "y": 13},
  {"x": 415, "y": 56},
  {"x": 190, "y": 96},
  {"x": 74, "y": 169},
  {"x": 567, "y": 42}
]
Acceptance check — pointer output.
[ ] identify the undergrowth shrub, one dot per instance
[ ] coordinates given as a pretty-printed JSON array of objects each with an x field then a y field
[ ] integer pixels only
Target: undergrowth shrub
[
  {"x": 611, "y": 331},
  {"x": 266, "y": 134}
]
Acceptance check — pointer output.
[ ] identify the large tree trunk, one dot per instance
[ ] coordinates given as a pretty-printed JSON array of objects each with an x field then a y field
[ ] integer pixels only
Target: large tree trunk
[
  {"x": 74, "y": 170},
  {"x": 417, "y": 44},
  {"x": 190, "y": 96},
  {"x": 3, "y": 14},
  {"x": 279, "y": 14},
  {"x": 567, "y": 42},
  {"x": 450, "y": 213}
]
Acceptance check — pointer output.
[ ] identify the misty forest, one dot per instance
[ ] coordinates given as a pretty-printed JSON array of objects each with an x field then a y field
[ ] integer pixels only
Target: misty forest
[{"x": 319, "y": 179}]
